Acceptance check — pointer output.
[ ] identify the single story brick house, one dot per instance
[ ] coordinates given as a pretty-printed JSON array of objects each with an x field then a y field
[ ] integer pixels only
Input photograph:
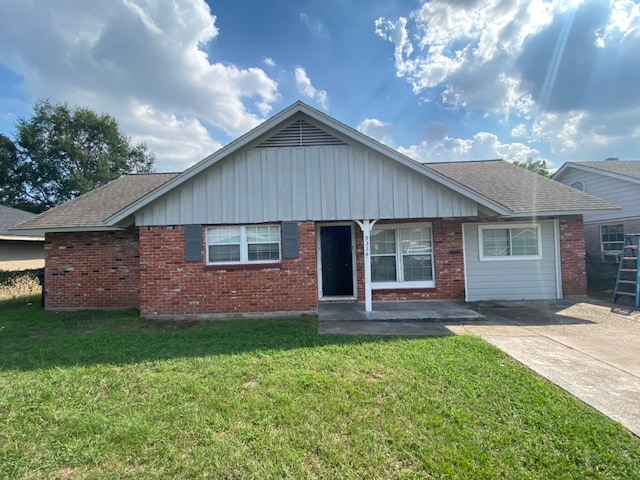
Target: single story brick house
[{"x": 304, "y": 209}]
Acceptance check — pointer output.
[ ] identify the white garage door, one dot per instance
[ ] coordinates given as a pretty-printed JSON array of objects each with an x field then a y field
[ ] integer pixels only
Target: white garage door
[{"x": 511, "y": 261}]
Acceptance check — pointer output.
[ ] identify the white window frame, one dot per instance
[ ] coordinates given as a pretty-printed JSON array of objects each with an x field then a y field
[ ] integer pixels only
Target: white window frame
[
  {"x": 401, "y": 284},
  {"x": 244, "y": 245},
  {"x": 510, "y": 257},
  {"x": 612, "y": 255}
]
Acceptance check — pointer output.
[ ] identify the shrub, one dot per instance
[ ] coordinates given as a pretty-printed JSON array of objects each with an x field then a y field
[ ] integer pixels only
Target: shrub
[{"x": 21, "y": 284}]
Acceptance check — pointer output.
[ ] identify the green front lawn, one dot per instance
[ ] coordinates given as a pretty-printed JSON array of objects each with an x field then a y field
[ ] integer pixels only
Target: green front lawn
[{"x": 108, "y": 395}]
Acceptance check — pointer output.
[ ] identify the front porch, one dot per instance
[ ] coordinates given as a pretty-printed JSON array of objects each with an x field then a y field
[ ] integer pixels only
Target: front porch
[{"x": 392, "y": 318}]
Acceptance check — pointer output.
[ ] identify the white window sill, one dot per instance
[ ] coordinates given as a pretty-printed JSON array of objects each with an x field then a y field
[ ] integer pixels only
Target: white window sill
[
  {"x": 510, "y": 258},
  {"x": 401, "y": 285}
]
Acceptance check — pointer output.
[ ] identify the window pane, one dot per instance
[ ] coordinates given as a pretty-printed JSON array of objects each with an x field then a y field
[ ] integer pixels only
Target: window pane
[
  {"x": 415, "y": 240},
  {"x": 263, "y": 234},
  {"x": 223, "y": 235},
  {"x": 383, "y": 242},
  {"x": 524, "y": 241},
  {"x": 417, "y": 268},
  {"x": 612, "y": 237},
  {"x": 495, "y": 242},
  {"x": 224, "y": 253},
  {"x": 383, "y": 269},
  {"x": 264, "y": 251}
]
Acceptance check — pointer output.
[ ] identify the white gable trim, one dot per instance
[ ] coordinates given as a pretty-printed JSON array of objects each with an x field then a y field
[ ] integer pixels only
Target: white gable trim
[{"x": 323, "y": 120}]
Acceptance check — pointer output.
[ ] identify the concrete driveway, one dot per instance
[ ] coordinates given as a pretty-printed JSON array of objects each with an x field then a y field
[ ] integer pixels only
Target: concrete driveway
[{"x": 590, "y": 349}]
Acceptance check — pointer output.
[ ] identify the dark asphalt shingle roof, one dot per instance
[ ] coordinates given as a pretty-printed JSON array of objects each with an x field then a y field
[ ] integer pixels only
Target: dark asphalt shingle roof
[
  {"x": 518, "y": 189},
  {"x": 630, "y": 168},
  {"x": 94, "y": 207},
  {"x": 12, "y": 216}
]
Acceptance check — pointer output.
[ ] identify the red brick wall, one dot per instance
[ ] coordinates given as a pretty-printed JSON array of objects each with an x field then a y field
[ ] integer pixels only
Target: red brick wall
[
  {"x": 572, "y": 255},
  {"x": 92, "y": 270},
  {"x": 172, "y": 286},
  {"x": 114, "y": 269}
]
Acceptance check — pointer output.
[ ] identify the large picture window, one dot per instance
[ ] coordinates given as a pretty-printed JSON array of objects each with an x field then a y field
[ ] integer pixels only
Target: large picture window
[
  {"x": 402, "y": 256},
  {"x": 243, "y": 244},
  {"x": 515, "y": 242}
]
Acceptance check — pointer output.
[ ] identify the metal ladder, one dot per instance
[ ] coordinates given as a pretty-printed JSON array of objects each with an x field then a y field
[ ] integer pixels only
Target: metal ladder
[{"x": 628, "y": 280}]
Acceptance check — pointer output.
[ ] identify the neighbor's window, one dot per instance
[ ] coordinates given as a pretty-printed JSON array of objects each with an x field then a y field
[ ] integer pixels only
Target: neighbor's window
[
  {"x": 243, "y": 244},
  {"x": 611, "y": 242},
  {"x": 513, "y": 242},
  {"x": 402, "y": 256}
]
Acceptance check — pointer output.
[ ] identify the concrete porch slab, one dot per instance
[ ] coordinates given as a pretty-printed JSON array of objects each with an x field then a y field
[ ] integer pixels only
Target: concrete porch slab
[{"x": 392, "y": 318}]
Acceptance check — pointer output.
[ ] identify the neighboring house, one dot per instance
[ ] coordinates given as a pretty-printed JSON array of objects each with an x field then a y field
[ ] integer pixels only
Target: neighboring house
[
  {"x": 304, "y": 209},
  {"x": 617, "y": 182},
  {"x": 19, "y": 250}
]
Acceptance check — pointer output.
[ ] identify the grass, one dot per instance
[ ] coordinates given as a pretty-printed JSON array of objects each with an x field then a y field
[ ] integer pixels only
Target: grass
[{"x": 109, "y": 395}]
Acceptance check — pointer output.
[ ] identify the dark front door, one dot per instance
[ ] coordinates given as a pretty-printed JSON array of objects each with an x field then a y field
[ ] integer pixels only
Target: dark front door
[{"x": 337, "y": 261}]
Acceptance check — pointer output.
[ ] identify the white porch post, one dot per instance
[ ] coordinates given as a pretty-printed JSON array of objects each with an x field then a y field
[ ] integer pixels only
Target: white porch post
[{"x": 366, "y": 226}]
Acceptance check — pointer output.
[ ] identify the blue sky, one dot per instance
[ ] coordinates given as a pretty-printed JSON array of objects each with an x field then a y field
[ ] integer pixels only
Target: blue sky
[{"x": 439, "y": 81}]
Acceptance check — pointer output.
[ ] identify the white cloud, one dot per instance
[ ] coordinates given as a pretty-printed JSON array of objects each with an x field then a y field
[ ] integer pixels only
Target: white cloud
[
  {"x": 482, "y": 146},
  {"x": 458, "y": 38},
  {"x": 578, "y": 135},
  {"x": 307, "y": 90},
  {"x": 182, "y": 142},
  {"x": 268, "y": 61},
  {"x": 624, "y": 20},
  {"x": 115, "y": 56},
  {"x": 377, "y": 129},
  {"x": 560, "y": 70},
  {"x": 519, "y": 130}
]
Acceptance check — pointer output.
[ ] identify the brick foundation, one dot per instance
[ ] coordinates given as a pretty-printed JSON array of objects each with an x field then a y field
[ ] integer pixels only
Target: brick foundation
[
  {"x": 92, "y": 270},
  {"x": 172, "y": 286}
]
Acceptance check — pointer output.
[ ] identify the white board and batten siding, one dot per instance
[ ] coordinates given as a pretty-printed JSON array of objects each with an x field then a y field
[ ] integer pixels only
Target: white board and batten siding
[
  {"x": 512, "y": 279},
  {"x": 614, "y": 190},
  {"x": 323, "y": 183}
]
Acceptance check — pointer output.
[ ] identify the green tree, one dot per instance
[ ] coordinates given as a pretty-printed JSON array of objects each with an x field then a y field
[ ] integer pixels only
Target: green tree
[
  {"x": 9, "y": 185},
  {"x": 63, "y": 152},
  {"x": 537, "y": 166}
]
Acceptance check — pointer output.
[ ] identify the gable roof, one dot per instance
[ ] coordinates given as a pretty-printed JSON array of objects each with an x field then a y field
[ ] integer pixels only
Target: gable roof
[
  {"x": 519, "y": 190},
  {"x": 498, "y": 187},
  {"x": 628, "y": 170},
  {"x": 89, "y": 211},
  {"x": 12, "y": 216},
  {"x": 280, "y": 121}
]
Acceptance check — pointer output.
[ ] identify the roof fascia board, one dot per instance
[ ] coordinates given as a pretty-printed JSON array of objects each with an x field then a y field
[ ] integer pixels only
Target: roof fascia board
[
  {"x": 44, "y": 230},
  {"x": 597, "y": 171},
  {"x": 300, "y": 107}
]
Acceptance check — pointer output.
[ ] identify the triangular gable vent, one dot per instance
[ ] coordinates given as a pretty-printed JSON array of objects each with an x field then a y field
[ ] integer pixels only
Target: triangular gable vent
[{"x": 301, "y": 134}]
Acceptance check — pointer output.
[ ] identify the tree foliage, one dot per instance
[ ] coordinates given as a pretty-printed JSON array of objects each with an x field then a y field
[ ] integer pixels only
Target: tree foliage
[
  {"x": 62, "y": 152},
  {"x": 537, "y": 166}
]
